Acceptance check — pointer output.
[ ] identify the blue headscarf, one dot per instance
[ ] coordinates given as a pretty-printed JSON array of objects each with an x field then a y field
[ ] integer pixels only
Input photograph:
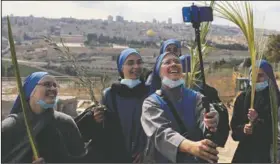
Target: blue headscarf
[
  {"x": 168, "y": 42},
  {"x": 28, "y": 86},
  {"x": 122, "y": 57},
  {"x": 267, "y": 68},
  {"x": 186, "y": 59},
  {"x": 156, "y": 80}
]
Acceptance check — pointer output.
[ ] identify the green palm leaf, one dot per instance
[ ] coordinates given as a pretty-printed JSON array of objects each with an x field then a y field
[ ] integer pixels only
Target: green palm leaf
[
  {"x": 274, "y": 115},
  {"x": 242, "y": 15},
  {"x": 21, "y": 92}
]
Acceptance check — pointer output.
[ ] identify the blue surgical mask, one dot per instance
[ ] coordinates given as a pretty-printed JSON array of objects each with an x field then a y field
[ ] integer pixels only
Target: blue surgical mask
[
  {"x": 261, "y": 85},
  {"x": 172, "y": 83},
  {"x": 44, "y": 105},
  {"x": 130, "y": 82}
]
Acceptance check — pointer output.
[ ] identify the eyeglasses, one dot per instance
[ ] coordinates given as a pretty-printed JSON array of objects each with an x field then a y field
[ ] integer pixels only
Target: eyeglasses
[
  {"x": 170, "y": 61},
  {"x": 132, "y": 62},
  {"x": 48, "y": 84}
]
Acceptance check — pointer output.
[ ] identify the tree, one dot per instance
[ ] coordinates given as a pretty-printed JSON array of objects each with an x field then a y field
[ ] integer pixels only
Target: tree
[
  {"x": 91, "y": 37},
  {"x": 272, "y": 53},
  {"x": 101, "y": 39},
  {"x": 3, "y": 71},
  {"x": 26, "y": 37},
  {"x": 10, "y": 71},
  {"x": 105, "y": 79},
  {"x": 82, "y": 73}
]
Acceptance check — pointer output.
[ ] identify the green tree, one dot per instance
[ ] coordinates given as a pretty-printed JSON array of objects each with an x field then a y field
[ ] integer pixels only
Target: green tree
[{"x": 272, "y": 53}]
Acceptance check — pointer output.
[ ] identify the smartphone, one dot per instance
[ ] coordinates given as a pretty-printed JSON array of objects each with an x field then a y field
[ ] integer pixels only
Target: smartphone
[{"x": 197, "y": 14}]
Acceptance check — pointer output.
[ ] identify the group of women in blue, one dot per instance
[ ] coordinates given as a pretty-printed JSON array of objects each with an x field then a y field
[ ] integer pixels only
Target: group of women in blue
[{"x": 148, "y": 120}]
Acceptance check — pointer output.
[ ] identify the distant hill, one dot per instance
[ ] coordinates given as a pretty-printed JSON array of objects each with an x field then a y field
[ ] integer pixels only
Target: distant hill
[
  {"x": 25, "y": 70},
  {"x": 33, "y": 27}
]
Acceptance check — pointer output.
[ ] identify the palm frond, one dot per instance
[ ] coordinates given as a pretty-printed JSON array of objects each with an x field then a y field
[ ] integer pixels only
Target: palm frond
[
  {"x": 274, "y": 114},
  {"x": 21, "y": 92},
  {"x": 242, "y": 15}
]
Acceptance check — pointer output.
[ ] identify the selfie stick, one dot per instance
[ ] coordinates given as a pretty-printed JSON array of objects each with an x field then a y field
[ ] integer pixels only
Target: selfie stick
[{"x": 196, "y": 25}]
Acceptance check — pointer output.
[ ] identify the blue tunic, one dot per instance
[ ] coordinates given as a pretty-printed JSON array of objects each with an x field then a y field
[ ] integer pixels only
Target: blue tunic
[
  {"x": 128, "y": 110},
  {"x": 163, "y": 130}
]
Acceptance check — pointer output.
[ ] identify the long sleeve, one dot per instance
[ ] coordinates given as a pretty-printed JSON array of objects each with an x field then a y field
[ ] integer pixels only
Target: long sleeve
[
  {"x": 237, "y": 122},
  {"x": 10, "y": 141},
  {"x": 222, "y": 133},
  {"x": 264, "y": 123},
  {"x": 73, "y": 142},
  {"x": 159, "y": 130},
  {"x": 88, "y": 127},
  {"x": 199, "y": 113}
]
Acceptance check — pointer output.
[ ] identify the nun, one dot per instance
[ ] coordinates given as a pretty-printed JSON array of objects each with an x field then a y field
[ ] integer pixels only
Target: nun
[
  {"x": 171, "y": 45},
  {"x": 174, "y": 46},
  {"x": 255, "y": 140},
  {"x": 122, "y": 135},
  {"x": 186, "y": 63},
  {"x": 174, "y": 120},
  {"x": 56, "y": 135}
]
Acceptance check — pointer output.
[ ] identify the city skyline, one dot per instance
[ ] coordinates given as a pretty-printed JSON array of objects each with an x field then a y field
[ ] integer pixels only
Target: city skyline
[{"x": 139, "y": 11}]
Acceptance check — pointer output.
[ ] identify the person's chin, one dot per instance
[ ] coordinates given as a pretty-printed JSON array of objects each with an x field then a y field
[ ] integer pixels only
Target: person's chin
[
  {"x": 175, "y": 78},
  {"x": 135, "y": 77},
  {"x": 50, "y": 101}
]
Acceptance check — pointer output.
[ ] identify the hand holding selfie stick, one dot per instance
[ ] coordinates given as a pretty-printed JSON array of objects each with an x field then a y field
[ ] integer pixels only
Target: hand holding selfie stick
[{"x": 196, "y": 15}]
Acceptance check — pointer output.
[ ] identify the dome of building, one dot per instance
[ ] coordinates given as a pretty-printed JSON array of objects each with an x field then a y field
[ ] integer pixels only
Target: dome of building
[{"x": 150, "y": 33}]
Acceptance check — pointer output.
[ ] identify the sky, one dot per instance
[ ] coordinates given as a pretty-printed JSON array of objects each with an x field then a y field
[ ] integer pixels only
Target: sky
[{"x": 267, "y": 12}]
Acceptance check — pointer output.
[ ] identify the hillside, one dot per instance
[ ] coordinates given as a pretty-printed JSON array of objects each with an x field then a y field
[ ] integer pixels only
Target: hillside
[
  {"x": 25, "y": 69},
  {"x": 32, "y": 27}
]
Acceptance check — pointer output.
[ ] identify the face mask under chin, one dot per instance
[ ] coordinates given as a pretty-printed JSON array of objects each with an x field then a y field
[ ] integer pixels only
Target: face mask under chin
[
  {"x": 131, "y": 83},
  {"x": 172, "y": 83},
  {"x": 46, "y": 106}
]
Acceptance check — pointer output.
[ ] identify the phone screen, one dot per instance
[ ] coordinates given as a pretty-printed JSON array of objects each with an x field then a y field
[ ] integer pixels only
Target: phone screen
[
  {"x": 186, "y": 14},
  {"x": 191, "y": 14},
  {"x": 206, "y": 14}
]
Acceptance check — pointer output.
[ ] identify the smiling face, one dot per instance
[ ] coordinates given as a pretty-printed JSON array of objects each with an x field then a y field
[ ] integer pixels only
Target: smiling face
[
  {"x": 171, "y": 67},
  {"x": 46, "y": 90},
  {"x": 132, "y": 67},
  {"x": 173, "y": 48}
]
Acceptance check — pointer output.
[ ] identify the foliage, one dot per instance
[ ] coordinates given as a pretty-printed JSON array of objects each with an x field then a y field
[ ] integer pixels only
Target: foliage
[
  {"x": 242, "y": 15},
  {"x": 272, "y": 53},
  {"x": 274, "y": 114},
  {"x": 83, "y": 74}
]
